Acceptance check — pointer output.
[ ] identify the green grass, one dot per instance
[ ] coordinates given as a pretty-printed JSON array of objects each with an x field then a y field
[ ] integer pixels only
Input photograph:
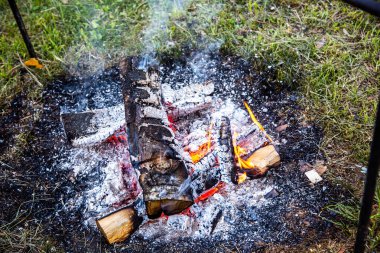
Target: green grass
[
  {"x": 327, "y": 50},
  {"x": 349, "y": 217},
  {"x": 78, "y": 37}
]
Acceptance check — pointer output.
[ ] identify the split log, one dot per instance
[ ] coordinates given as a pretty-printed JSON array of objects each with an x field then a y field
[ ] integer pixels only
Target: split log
[
  {"x": 154, "y": 152},
  {"x": 90, "y": 127},
  {"x": 118, "y": 226},
  {"x": 261, "y": 160}
]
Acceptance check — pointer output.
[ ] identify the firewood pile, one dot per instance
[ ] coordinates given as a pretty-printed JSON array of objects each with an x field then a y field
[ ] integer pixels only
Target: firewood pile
[{"x": 183, "y": 145}]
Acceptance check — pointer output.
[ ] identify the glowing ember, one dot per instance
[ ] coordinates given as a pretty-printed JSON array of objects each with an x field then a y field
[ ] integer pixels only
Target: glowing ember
[
  {"x": 203, "y": 149},
  {"x": 256, "y": 121},
  {"x": 210, "y": 192}
]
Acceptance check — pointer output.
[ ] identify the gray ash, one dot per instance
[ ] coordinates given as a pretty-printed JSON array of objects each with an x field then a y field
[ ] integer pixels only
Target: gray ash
[{"x": 287, "y": 217}]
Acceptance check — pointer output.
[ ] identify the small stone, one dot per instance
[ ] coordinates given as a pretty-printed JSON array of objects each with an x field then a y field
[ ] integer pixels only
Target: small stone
[
  {"x": 282, "y": 128},
  {"x": 313, "y": 176},
  {"x": 320, "y": 167}
]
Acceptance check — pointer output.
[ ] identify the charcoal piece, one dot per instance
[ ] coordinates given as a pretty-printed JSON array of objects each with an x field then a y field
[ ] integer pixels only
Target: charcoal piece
[{"x": 224, "y": 149}]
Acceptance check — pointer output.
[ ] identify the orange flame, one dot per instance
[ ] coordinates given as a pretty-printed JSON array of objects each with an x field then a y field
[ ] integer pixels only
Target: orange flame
[
  {"x": 203, "y": 149},
  {"x": 257, "y": 123},
  {"x": 201, "y": 152},
  {"x": 241, "y": 177},
  {"x": 245, "y": 164}
]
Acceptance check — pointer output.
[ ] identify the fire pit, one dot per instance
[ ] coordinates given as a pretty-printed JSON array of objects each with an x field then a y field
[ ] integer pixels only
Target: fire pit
[{"x": 179, "y": 157}]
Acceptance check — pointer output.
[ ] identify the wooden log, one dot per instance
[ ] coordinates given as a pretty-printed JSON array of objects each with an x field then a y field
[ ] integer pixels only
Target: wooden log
[
  {"x": 118, "y": 226},
  {"x": 178, "y": 113},
  {"x": 261, "y": 160},
  {"x": 154, "y": 152}
]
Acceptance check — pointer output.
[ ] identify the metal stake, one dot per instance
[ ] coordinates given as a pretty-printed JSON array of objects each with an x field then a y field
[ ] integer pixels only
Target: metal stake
[
  {"x": 372, "y": 7},
  {"x": 369, "y": 6},
  {"x": 21, "y": 27},
  {"x": 370, "y": 187}
]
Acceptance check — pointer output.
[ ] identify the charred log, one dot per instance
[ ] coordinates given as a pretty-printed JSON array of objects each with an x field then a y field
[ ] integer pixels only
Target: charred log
[
  {"x": 90, "y": 127},
  {"x": 224, "y": 149},
  {"x": 153, "y": 150}
]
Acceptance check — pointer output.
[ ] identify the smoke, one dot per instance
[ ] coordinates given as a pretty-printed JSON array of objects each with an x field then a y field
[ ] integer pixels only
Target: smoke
[
  {"x": 156, "y": 34},
  {"x": 109, "y": 31},
  {"x": 185, "y": 19}
]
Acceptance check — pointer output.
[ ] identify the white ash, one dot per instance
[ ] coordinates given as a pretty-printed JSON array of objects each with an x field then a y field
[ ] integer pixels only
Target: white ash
[
  {"x": 105, "y": 183},
  {"x": 104, "y": 123},
  {"x": 203, "y": 220}
]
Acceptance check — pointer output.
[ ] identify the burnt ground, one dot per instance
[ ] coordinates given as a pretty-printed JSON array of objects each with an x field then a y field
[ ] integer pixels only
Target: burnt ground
[{"x": 33, "y": 186}]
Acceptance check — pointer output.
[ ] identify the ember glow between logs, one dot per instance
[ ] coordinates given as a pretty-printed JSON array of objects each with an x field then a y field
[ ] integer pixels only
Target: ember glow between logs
[
  {"x": 241, "y": 150},
  {"x": 203, "y": 149}
]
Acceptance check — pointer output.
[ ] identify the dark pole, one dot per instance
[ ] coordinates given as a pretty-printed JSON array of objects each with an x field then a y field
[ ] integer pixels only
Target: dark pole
[
  {"x": 22, "y": 29},
  {"x": 369, "y": 6},
  {"x": 370, "y": 187},
  {"x": 372, "y": 7}
]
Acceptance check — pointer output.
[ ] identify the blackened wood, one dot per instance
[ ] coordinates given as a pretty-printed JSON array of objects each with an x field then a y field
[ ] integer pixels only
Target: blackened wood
[
  {"x": 90, "y": 127},
  {"x": 153, "y": 150},
  {"x": 224, "y": 150}
]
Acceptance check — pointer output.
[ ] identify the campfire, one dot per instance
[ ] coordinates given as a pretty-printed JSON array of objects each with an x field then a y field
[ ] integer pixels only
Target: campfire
[{"x": 177, "y": 149}]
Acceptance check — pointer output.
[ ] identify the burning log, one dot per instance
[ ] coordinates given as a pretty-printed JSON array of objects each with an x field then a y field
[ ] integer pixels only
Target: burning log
[
  {"x": 90, "y": 127},
  {"x": 118, "y": 226},
  {"x": 207, "y": 179},
  {"x": 260, "y": 161},
  {"x": 207, "y": 162},
  {"x": 153, "y": 150}
]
